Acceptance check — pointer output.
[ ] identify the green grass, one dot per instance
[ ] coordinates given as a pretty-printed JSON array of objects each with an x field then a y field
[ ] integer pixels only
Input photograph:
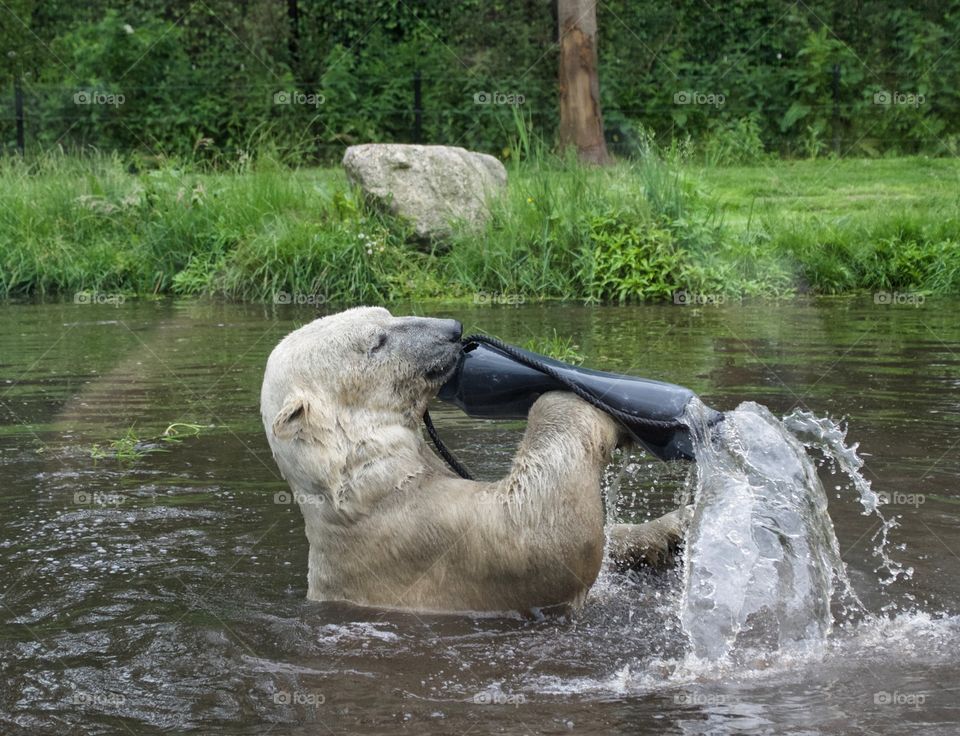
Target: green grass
[
  {"x": 555, "y": 346},
  {"x": 833, "y": 187},
  {"x": 857, "y": 224},
  {"x": 635, "y": 231}
]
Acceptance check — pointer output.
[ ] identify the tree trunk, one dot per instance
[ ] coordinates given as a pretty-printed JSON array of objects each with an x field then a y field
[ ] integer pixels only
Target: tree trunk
[{"x": 581, "y": 123}]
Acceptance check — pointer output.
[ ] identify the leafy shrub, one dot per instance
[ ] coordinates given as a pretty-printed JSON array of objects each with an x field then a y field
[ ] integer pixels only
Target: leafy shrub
[
  {"x": 632, "y": 261},
  {"x": 734, "y": 142}
]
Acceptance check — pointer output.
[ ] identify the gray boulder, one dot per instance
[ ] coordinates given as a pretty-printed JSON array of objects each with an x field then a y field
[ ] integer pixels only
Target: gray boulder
[{"x": 432, "y": 186}]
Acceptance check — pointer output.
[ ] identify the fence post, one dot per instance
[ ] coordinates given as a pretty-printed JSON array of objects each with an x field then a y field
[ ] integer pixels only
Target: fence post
[
  {"x": 18, "y": 113},
  {"x": 417, "y": 107}
]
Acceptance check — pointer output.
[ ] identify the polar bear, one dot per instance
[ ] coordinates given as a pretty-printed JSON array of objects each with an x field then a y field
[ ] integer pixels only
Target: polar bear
[{"x": 388, "y": 524}]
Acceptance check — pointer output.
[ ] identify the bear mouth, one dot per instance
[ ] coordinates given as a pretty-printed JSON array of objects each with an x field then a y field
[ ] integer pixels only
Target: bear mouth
[{"x": 440, "y": 372}]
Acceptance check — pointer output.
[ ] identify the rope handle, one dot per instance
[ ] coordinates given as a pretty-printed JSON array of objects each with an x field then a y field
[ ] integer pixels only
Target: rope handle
[{"x": 455, "y": 465}]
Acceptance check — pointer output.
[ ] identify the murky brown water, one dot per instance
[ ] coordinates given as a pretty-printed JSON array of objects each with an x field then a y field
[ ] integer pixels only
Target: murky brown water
[{"x": 165, "y": 593}]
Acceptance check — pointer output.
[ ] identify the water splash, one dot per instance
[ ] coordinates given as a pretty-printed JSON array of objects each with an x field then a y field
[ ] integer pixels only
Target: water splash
[
  {"x": 762, "y": 565},
  {"x": 830, "y": 438}
]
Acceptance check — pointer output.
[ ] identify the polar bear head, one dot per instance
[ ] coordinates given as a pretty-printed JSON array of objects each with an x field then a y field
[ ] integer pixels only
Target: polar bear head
[{"x": 346, "y": 392}]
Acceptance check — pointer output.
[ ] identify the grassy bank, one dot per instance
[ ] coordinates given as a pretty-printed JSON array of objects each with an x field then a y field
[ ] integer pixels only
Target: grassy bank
[
  {"x": 858, "y": 224},
  {"x": 634, "y": 232}
]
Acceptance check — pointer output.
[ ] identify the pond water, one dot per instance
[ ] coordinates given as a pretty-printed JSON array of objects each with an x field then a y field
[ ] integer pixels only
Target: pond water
[{"x": 165, "y": 592}]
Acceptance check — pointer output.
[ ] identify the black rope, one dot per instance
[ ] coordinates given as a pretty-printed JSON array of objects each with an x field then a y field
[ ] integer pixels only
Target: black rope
[
  {"x": 452, "y": 461},
  {"x": 626, "y": 418}
]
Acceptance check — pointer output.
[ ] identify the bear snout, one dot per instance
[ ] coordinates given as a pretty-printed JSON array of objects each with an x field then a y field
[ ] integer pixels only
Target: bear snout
[
  {"x": 455, "y": 329},
  {"x": 430, "y": 329}
]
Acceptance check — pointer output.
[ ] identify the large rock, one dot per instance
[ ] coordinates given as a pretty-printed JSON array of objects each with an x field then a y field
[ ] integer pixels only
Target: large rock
[{"x": 432, "y": 186}]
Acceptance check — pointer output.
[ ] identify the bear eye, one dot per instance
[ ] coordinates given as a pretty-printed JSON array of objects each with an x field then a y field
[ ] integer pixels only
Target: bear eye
[{"x": 381, "y": 341}]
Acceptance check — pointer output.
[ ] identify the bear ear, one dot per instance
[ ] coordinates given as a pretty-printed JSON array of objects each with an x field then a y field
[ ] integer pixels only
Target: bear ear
[{"x": 301, "y": 418}]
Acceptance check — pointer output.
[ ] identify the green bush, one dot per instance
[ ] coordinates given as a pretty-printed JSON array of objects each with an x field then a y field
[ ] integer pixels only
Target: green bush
[
  {"x": 632, "y": 261},
  {"x": 199, "y": 80},
  {"x": 734, "y": 142}
]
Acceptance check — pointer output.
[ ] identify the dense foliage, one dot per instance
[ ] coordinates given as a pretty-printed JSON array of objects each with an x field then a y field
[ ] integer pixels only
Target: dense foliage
[{"x": 742, "y": 79}]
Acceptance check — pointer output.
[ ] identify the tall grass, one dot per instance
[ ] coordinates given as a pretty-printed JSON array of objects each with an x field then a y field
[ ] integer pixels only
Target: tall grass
[
  {"x": 262, "y": 230},
  {"x": 639, "y": 230},
  {"x": 70, "y": 225}
]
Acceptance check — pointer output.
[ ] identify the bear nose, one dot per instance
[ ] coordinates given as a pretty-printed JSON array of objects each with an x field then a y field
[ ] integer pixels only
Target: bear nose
[{"x": 456, "y": 330}]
